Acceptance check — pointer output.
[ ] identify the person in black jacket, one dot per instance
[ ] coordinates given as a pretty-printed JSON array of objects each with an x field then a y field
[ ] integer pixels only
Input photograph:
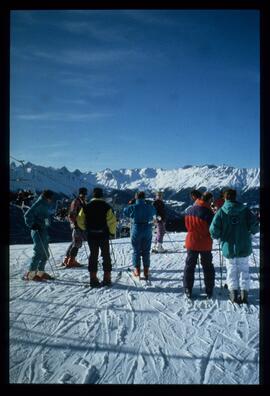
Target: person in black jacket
[
  {"x": 160, "y": 222},
  {"x": 100, "y": 224}
]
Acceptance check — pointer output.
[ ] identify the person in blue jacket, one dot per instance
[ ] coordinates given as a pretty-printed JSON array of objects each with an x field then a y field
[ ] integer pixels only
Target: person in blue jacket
[
  {"x": 141, "y": 214},
  {"x": 233, "y": 224},
  {"x": 37, "y": 219}
]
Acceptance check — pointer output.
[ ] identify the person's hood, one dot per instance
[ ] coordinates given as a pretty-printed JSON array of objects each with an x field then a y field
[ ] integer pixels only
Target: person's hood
[{"x": 232, "y": 207}]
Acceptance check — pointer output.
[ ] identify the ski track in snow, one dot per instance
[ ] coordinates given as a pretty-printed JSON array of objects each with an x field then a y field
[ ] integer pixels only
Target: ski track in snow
[{"x": 64, "y": 332}]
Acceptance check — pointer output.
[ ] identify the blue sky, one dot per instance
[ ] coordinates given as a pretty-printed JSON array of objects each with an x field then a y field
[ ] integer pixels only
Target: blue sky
[{"x": 96, "y": 89}]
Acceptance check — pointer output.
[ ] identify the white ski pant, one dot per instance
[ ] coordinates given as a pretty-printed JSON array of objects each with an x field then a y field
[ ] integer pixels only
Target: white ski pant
[{"x": 237, "y": 273}]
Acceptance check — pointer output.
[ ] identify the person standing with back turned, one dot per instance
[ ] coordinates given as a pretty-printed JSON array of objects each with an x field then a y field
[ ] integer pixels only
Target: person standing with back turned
[
  {"x": 198, "y": 242},
  {"x": 141, "y": 214},
  {"x": 78, "y": 234},
  {"x": 160, "y": 222},
  {"x": 37, "y": 219},
  {"x": 100, "y": 223},
  {"x": 233, "y": 224}
]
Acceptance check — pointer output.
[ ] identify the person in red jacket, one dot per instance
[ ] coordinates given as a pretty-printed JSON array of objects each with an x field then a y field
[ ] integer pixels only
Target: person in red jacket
[{"x": 198, "y": 242}]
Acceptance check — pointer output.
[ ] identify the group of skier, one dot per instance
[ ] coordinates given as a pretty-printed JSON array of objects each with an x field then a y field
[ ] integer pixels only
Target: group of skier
[{"x": 225, "y": 219}]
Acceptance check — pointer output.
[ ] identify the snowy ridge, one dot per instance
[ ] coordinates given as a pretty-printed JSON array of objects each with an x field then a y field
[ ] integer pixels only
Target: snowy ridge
[{"x": 63, "y": 181}]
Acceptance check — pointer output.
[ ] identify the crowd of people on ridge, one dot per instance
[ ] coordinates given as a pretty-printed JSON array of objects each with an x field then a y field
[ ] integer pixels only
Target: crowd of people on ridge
[{"x": 224, "y": 219}]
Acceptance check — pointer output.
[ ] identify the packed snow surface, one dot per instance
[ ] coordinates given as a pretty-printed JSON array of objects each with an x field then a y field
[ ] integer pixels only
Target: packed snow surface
[{"x": 64, "y": 332}]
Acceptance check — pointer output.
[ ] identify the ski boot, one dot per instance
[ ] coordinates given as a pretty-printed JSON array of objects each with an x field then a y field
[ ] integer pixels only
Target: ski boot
[
  {"x": 107, "y": 278},
  {"x": 94, "y": 282},
  {"x": 233, "y": 296},
  {"x": 243, "y": 297}
]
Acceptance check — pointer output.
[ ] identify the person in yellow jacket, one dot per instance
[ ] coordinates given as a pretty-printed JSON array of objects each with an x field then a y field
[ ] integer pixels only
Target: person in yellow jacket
[{"x": 99, "y": 221}]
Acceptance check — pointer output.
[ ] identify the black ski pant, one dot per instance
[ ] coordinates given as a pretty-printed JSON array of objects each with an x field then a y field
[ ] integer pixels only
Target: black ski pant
[
  {"x": 207, "y": 266},
  {"x": 94, "y": 246}
]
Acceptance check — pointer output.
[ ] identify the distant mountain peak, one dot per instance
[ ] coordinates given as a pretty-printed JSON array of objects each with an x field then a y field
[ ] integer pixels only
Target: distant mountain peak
[{"x": 152, "y": 179}]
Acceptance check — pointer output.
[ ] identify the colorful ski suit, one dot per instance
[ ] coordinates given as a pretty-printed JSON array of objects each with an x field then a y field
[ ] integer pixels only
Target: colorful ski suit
[
  {"x": 142, "y": 214},
  {"x": 37, "y": 219},
  {"x": 198, "y": 217},
  {"x": 233, "y": 224}
]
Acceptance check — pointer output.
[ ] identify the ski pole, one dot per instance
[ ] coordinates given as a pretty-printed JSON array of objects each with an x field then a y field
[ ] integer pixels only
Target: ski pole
[
  {"x": 171, "y": 241},
  {"x": 46, "y": 253},
  {"x": 51, "y": 253},
  {"x": 220, "y": 264},
  {"x": 254, "y": 259},
  {"x": 199, "y": 273},
  {"x": 85, "y": 249},
  {"x": 111, "y": 245}
]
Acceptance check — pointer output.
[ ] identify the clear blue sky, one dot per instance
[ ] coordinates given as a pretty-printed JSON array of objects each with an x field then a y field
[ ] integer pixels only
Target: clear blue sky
[{"x": 96, "y": 89}]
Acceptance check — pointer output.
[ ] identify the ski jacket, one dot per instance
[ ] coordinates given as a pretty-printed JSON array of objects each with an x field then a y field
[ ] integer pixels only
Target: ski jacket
[
  {"x": 74, "y": 210},
  {"x": 38, "y": 214},
  {"x": 141, "y": 214},
  {"x": 160, "y": 208},
  {"x": 197, "y": 221},
  {"x": 98, "y": 219},
  {"x": 233, "y": 224}
]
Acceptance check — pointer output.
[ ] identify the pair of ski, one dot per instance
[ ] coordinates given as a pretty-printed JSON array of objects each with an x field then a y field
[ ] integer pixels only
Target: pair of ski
[
  {"x": 139, "y": 280},
  {"x": 241, "y": 308},
  {"x": 54, "y": 280},
  {"x": 202, "y": 299}
]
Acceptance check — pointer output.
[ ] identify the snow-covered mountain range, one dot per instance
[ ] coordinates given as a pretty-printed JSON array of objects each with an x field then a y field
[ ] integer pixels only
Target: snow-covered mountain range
[{"x": 211, "y": 177}]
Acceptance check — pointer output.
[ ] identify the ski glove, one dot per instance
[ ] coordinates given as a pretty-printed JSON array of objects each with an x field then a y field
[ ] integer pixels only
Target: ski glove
[{"x": 35, "y": 227}]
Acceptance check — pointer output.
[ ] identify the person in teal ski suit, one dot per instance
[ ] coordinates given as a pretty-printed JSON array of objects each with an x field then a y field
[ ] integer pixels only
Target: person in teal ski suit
[
  {"x": 141, "y": 214},
  {"x": 37, "y": 219},
  {"x": 233, "y": 224}
]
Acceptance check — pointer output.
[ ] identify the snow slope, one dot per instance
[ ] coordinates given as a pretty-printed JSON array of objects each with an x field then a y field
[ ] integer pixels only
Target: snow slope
[
  {"x": 34, "y": 177},
  {"x": 63, "y": 332}
]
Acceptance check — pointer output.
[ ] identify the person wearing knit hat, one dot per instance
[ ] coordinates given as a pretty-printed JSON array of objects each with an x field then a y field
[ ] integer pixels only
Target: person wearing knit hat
[
  {"x": 198, "y": 242},
  {"x": 78, "y": 235},
  {"x": 37, "y": 219},
  {"x": 99, "y": 221},
  {"x": 141, "y": 215}
]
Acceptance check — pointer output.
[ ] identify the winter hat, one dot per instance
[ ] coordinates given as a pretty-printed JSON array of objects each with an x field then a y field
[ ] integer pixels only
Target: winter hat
[
  {"x": 83, "y": 191},
  {"x": 196, "y": 194},
  {"x": 141, "y": 195},
  {"x": 97, "y": 192},
  {"x": 207, "y": 196},
  {"x": 230, "y": 194},
  {"x": 48, "y": 194}
]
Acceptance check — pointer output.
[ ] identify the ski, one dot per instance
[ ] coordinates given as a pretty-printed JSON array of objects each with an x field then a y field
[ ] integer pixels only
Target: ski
[
  {"x": 140, "y": 280},
  {"x": 63, "y": 267},
  {"x": 146, "y": 281},
  {"x": 158, "y": 252},
  {"x": 118, "y": 276},
  {"x": 233, "y": 305},
  {"x": 38, "y": 281},
  {"x": 136, "y": 279},
  {"x": 189, "y": 301}
]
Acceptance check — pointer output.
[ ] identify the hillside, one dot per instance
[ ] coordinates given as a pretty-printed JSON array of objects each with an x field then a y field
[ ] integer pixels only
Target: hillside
[{"x": 210, "y": 177}]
